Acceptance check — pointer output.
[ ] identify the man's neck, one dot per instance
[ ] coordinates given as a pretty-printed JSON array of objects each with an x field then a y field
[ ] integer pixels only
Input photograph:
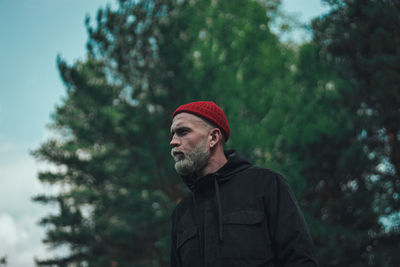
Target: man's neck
[{"x": 216, "y": 161}]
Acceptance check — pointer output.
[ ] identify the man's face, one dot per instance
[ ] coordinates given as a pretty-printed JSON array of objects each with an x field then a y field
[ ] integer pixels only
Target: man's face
[{"x": 189, "y": 143}]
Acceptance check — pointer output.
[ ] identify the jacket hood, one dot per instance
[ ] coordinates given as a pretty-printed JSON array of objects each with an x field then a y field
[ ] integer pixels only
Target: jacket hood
[{"x": 235, "y": 163}]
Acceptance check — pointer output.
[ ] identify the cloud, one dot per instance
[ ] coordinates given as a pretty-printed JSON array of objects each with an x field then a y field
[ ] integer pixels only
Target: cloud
[
  {"x": 18, "y": 242},
  {"x": 10, "y": 235},
  {"x": 20, "y": 235},
  {"x": 18, "y": 182}
]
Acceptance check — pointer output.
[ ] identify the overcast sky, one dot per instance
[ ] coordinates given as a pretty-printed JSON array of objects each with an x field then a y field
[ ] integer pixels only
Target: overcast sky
[{"x": 32, "y": 34}]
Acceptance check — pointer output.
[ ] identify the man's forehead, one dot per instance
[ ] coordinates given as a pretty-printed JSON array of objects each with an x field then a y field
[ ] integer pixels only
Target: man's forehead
[{"x": 185, "y": 118}]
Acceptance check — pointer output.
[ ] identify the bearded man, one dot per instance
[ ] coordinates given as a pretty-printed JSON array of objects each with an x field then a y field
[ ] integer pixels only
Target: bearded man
[{"x": 236, "y": 214}]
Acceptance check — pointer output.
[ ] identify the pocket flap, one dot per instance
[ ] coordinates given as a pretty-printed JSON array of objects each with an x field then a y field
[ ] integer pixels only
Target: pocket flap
[
  {"x": 185, "y": 235},
  {"x": 244, "y": 217}
]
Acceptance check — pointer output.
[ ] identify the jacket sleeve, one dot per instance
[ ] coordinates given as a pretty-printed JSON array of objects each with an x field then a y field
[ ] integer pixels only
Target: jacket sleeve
[
  {"x": 174, "y": 259},
  {"x": 291, "y": 239}
]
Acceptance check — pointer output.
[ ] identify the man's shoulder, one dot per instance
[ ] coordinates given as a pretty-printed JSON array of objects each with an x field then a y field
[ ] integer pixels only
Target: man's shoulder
[
  {"x": 266, "y": 171},
  {"x": 263, "y": 173},
  {"x": 261, "y": 177}
]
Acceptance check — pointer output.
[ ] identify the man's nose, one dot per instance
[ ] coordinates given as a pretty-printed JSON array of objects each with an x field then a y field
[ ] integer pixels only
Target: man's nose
[{"x": 174, "y": 141}]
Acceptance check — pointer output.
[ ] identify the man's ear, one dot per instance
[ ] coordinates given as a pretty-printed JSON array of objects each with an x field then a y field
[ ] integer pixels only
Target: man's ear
[{"x": 215, "y": 137}]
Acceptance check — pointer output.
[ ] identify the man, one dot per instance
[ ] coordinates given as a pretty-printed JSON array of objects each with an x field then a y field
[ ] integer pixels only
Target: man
[{"x": 236, "y": 214}]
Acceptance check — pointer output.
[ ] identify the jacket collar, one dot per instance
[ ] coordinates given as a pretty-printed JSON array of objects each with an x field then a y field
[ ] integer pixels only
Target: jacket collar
[{"x": 235, "y": 163}]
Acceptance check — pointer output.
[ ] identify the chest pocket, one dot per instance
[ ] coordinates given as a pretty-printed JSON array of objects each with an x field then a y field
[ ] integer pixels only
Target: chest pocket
[{"x": 245, "y": 235}]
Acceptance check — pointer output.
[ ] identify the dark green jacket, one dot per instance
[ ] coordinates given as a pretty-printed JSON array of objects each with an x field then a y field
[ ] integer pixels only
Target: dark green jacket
[{"x": 241, "y": 215}]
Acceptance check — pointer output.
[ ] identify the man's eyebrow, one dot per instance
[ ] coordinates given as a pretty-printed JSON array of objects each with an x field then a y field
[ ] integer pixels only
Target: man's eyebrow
[{"x": 179, "y": 128}]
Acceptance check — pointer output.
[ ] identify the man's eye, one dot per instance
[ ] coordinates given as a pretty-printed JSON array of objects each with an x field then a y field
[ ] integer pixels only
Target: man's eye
[{"x": 182, "y": 132}]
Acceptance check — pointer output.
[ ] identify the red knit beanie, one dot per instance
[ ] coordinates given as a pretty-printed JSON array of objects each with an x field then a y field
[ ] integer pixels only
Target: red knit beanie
[{"x": 209, "y": 111}]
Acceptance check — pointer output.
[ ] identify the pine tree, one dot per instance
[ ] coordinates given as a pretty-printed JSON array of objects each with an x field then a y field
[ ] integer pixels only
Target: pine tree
[
  {"x": 320, "y": 145},
  {"x": 117, "y": 184},
  {"x": 360, "y": 40}
]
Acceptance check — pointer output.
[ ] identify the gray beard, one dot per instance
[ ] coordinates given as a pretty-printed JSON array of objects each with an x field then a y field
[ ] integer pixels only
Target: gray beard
[{"x": 195, "y": 161}]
